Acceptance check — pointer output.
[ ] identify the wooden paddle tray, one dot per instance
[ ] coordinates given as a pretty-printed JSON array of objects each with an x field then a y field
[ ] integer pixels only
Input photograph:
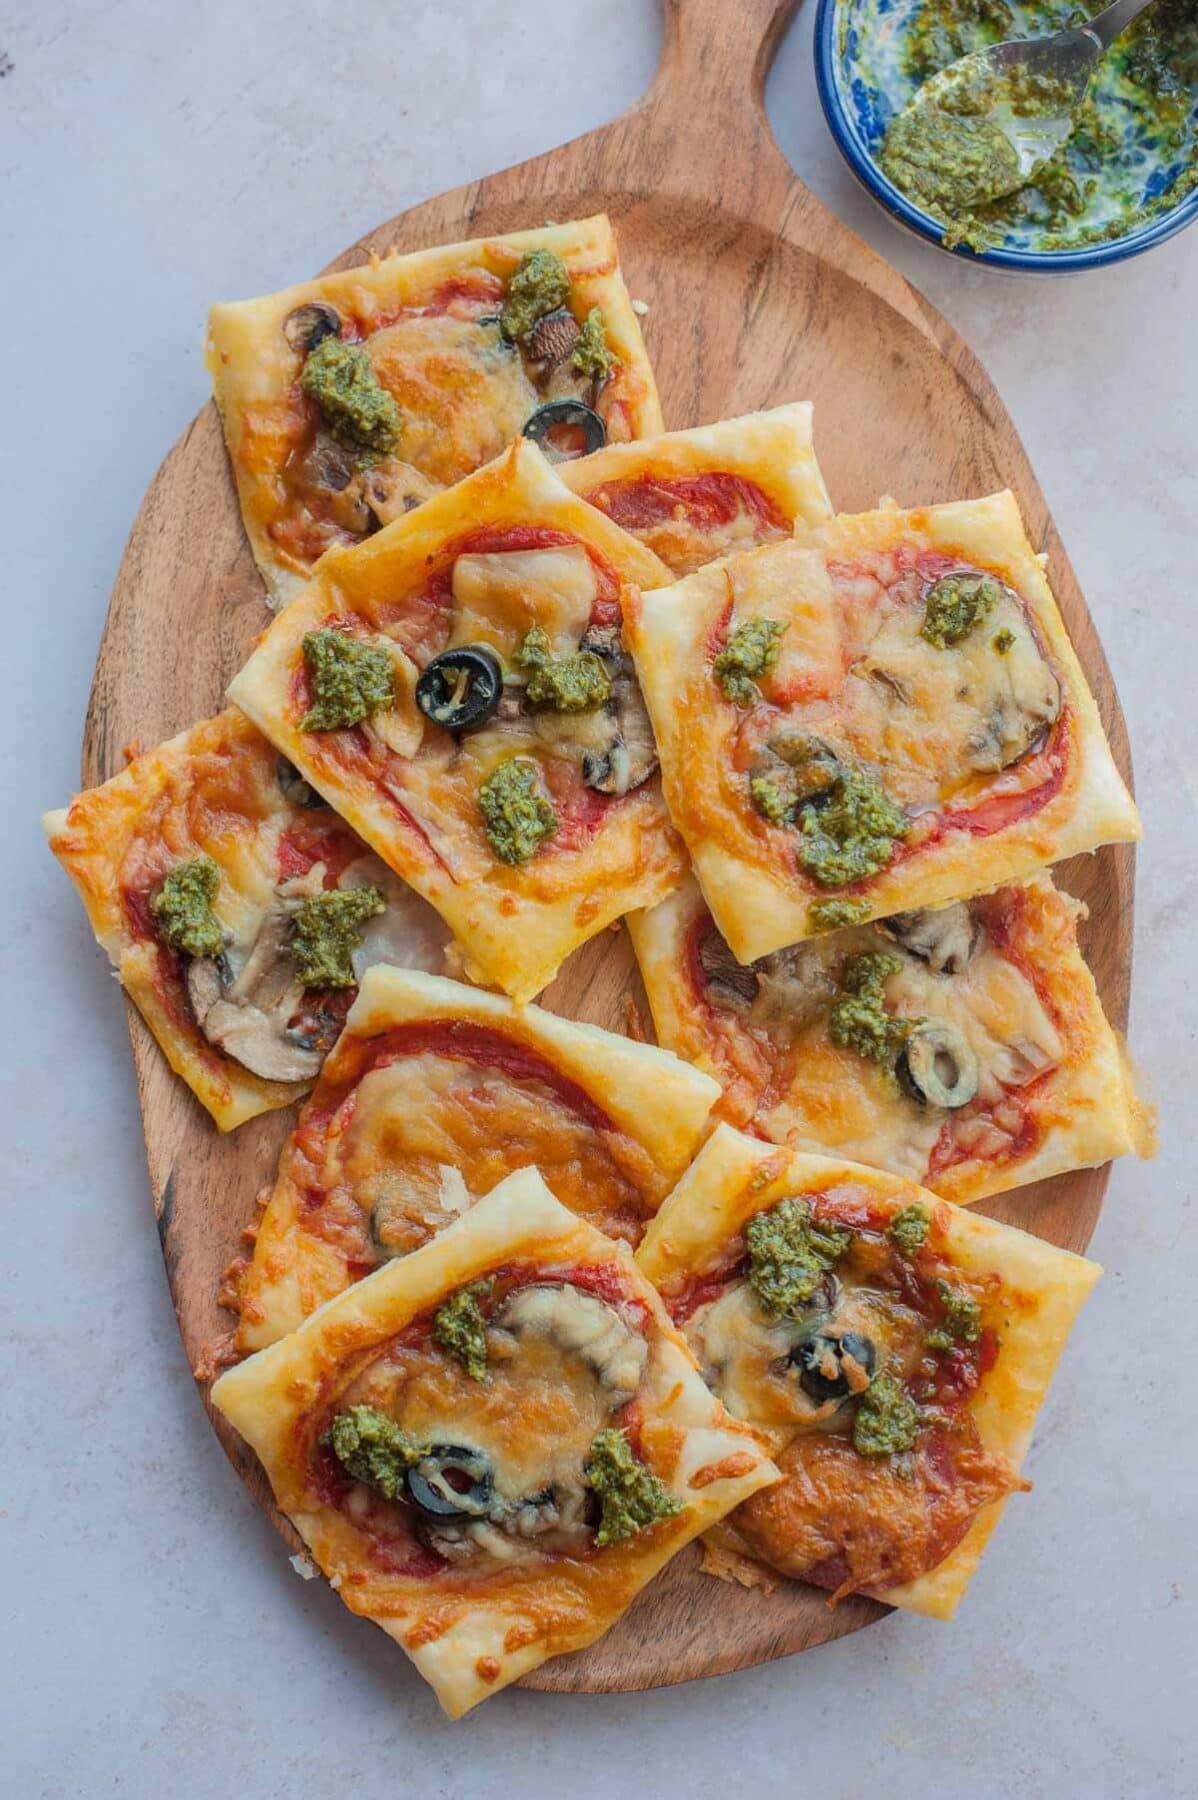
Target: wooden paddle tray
[{"x": 757, "y": 295}]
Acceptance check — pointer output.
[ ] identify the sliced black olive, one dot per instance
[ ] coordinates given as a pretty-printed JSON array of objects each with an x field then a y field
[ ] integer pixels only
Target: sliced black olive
[
  {"x": 451, "y": 1482},
  {"x": 937, "y": 1067},
  {"x": 307, "y": 325},
  {"x": 461, "y": 689},
  {"x": 295, "y": 789},
  {"x": 834, "y": 1365},
  {"x": 566, "y": 417}
]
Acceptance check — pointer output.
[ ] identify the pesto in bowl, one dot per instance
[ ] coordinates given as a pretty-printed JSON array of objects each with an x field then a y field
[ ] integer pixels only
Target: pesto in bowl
[{"x": 1127, "y": 177}]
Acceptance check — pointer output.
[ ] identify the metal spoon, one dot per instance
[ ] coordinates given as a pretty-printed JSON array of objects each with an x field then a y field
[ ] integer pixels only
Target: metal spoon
[{"x": 1063, "y": 64}]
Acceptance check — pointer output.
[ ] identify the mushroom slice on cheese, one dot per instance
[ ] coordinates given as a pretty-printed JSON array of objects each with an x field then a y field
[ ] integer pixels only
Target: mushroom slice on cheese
[
  {"x": 491, "y": 1445},
  {"x": 436, "y": 1091},
  {"x": 917, "y": 664},
  {"x": 993, "y": 1063},
  {"x": 892, "y": 1349},
  {"x": 232, "y": 1014}
]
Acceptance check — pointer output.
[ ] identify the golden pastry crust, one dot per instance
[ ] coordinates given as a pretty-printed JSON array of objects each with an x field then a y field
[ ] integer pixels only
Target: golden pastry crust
[
  {"x": 1056, "y": 1088},
  {"x": 213, "y": 791},
  {"x": 409, "y": 787},
  {"x": 854, "y": 673},
  {"x": 1029, "y": 1292},
  {"x": 696, "y": 496},
  {"x": 471, "y": 1629},
  {"x": 462, "y": 395},
  {"x": 433, "y": 1093}
]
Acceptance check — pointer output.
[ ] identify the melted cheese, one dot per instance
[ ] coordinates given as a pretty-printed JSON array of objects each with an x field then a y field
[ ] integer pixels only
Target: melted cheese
[
  {"x": 420, "y": 1115},
  {"x": 839, "y": 1101},
  {"x": 937, "y": 719},
  {"x": 462, "y": 392},
  {"x": 786, "y": 583},
  {"x": 500, "y": 596}
]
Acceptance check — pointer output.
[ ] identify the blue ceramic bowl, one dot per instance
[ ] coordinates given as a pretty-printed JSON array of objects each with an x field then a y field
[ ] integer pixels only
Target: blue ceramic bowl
[{"x": 858, "y": 117}]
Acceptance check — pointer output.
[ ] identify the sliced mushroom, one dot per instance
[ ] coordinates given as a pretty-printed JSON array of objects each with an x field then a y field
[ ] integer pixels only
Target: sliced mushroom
[
  {"x": 250, "y": 1017},
  {"x": 944, "y": 938},
  {"x": 551, "y": 342},
  {"x": 296, "y": 791},
  {"x": 937, "y": 1066},
  {"x": 813, "y": 765},
  {"x": 580, "y": 1326},
  {"x": 306, "y": 325},
  {"x": 794, "y": 988},
  {"x": 630, "y": 756},
  {"x": 729, "y": 983}
]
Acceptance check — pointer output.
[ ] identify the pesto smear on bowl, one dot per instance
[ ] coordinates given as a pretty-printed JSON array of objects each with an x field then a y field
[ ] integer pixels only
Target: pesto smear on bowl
[{"x": 1133, "y": 153}]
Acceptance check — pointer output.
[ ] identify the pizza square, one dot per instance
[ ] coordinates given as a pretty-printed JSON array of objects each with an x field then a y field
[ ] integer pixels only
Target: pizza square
[
  {"x": 696, "y": 496},
  {"x": 963, "y": 1046},
  {"x": 237, "y": 910},
  {"x": 884, "y": 715},
  {"x": 434, "y": 1093},
  {"x": 348, "y": 400},
  {"x": 492, "y": 1444},
  {"x": 458, "y": 689},
  {"x": 892, "y": 1349}
]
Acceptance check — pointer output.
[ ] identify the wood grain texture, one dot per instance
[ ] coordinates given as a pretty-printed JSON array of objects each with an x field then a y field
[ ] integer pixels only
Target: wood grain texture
[{"x": 757, "y": 295}]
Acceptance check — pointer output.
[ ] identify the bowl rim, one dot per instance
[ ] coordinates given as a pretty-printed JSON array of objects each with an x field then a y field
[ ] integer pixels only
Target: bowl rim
[{"x": 863, "y": 166}]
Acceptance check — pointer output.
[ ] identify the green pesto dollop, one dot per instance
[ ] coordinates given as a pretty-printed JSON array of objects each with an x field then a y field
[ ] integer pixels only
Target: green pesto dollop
[
  {"x": 591, "y": 354},
  {"x": 1132, "y": 155},
  {"x": 328, "y": 928},
  {"x": 859, "y": 1020},
  {"x": 350, "y": 680},
  {"x": 947, "y": 162},
  {"x": 834, "y": 915},
  {"x": 569, "y": 684},
  {"x": 771, "y": 799},
  {"x": 516, "y": 817},
  {"x": 356, "y": 407},
  {"x": 909, "y": 1229},
  {"x": 459, "y": 1327},
  {"x": 751, "y": 651},
  {"x": 631, "y": 1496},
  {"x": 886, "y": 1422},
  {"x": 373, "y": 1449},
  {"x": 962, "y": 1321},
  {"x": 182, "y": 908},
  {"x": 955, "y": 605},
  {"x": 789, "y": 1255},
  {"x": 539, "y": 286},
  {"x": 850, "y": 834}
]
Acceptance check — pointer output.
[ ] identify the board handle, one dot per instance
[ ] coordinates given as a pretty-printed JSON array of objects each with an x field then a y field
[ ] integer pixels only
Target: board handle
[{"x": 714, "y": 62}]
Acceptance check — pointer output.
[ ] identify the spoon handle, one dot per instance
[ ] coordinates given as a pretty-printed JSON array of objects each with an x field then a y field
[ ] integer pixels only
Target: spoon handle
[{"x": 1107, "y": 26}]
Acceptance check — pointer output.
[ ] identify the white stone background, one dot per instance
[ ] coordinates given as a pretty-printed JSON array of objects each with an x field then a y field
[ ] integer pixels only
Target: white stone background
[{"x": 156, "y": 1641}]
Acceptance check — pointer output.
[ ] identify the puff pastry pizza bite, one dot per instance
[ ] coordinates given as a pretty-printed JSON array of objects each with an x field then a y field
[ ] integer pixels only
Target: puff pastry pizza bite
[
  {"x": 893, "y": 1350},
  {"x": 695, "y": 496},
  {"x": 491, "y": 1445},
  {"x": 964, "y": 1046},
  {"x": 237, "y": 910},
  {"x": 348, "y": 400},
  {"x": 457, "y": 688},
  {"x": 433, "y": 1094},
  {"x": 885, "y": 715}
]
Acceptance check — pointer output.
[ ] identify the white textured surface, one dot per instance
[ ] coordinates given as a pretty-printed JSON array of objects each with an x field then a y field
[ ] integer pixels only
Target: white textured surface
[{"x": 157, "y": 1641}]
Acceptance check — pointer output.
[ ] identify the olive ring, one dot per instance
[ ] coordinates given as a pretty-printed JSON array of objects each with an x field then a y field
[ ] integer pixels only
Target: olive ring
[
  {"x": 565, "y": 412},
  {"x": 461, "y": 689}
]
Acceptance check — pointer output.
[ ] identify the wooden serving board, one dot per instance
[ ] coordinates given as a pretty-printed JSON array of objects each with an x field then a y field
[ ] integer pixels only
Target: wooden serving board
[{"x": 757, "y": 295}]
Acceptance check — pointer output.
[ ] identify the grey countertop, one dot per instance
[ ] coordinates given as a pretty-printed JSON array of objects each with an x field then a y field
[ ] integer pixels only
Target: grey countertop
[{"x": 153, "y": 157}]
